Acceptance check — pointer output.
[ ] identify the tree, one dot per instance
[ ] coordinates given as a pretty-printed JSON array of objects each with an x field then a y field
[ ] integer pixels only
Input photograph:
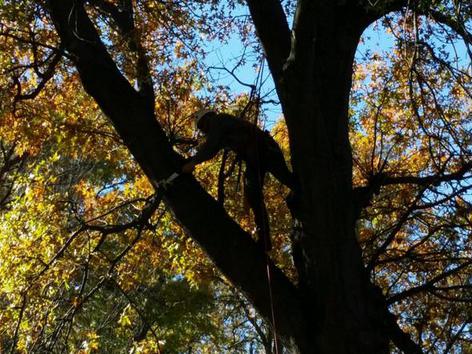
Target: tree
[{"x": 336, "y": 306}]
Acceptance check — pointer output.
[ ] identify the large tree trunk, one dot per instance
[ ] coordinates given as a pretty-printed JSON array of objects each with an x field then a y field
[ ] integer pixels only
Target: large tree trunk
[{"x": 343, "y": 310}]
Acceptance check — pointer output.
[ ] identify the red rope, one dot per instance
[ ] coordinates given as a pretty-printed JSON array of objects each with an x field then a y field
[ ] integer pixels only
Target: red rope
[{"x": 274, "y": 328}]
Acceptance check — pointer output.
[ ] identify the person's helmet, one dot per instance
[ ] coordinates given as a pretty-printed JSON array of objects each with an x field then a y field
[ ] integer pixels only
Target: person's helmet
[{"x": 199, "y": 115}]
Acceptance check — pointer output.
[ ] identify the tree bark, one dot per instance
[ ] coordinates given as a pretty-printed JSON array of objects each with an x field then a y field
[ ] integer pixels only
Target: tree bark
[{"x": 348, "y": 313}]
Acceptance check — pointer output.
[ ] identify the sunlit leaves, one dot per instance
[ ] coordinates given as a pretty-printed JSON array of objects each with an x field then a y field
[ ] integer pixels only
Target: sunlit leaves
[
  {"x": 410, "y": 118},
  {"x": 85, "y": 269}
]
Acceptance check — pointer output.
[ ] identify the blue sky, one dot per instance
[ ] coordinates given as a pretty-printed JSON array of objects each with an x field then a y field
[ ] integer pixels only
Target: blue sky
[
  {"x": 375, "y": 39},
  {"x": 227, "y": 54}
]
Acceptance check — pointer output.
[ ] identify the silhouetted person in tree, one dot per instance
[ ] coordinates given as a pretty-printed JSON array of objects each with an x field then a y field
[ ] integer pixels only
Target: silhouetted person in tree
[{"x": 251, "y": 144}]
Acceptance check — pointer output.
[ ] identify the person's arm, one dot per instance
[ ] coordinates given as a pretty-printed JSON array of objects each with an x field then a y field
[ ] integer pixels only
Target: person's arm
[
  {"x": 205, "y": 151},
  {"x": 208, "y": 149}
]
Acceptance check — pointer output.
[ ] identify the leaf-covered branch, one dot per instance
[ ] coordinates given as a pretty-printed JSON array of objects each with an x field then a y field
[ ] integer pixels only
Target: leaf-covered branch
[
  {"x": 455, "y": 25},
  {"x": 428, "y": 285},
  {"x": 45, "y": 77},
  {"x": 233, "y": 252}
]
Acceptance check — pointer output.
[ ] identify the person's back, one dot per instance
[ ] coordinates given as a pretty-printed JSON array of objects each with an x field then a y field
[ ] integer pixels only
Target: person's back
[{"x": 240, "y": 136}]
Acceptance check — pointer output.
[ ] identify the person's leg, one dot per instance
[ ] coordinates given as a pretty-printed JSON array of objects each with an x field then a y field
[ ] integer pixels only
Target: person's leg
[
  {"x": 274, "y": 162},
  {"x": 253, "y": 183}
]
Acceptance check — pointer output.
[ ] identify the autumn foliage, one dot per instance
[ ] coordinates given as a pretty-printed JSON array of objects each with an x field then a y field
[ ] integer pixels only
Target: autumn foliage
[{"x": 92, "y": 259}]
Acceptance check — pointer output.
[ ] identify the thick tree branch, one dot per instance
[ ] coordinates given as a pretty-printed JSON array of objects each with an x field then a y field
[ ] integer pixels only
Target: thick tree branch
[
  {"x": 401, "y": 339},
  {"x": 124, "y": 19},
  {"x": 363, "y": 195},
  {"x": 273, "y": 31},
  {"x": 127, "y": 109},
  {"x": 429, "y": 180},
  {"x": 231, "y": 249}
]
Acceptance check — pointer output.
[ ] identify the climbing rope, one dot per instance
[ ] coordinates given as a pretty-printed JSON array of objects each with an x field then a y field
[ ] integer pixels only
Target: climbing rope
[{"x": 265, "y": 234}]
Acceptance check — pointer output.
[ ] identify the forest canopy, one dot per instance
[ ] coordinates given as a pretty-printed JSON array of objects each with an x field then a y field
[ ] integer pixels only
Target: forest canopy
[{"x": 371, "y": 103}]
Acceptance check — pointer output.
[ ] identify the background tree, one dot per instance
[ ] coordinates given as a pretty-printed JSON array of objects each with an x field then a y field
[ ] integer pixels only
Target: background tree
[{"x": 381, "y": 253}]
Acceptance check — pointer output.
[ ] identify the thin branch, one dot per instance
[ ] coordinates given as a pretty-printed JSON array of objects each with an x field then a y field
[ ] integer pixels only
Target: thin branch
[
  {"x": 429, "y": 285},
  {"x": 453, "y": 24},
  {"x": 46, "y": 76},
  {"x": 141, "y": 314},
  {"x": 18, "y": 324},
  {"x": 18, "y": 38},
  {"x": 398, "y": 226}
]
